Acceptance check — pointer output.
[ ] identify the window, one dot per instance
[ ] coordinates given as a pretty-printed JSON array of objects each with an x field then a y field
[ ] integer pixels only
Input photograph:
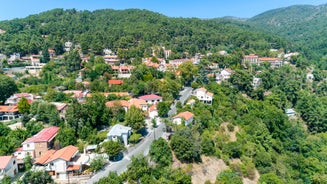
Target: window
[
  {"x": 40, "y": 153},
  {"x": 28, "y": 145},
  {"x": 14, "y": 162}
]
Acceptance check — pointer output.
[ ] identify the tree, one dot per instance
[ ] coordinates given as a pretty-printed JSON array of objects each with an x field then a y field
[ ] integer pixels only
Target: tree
[
  {"x": 270, "y": 178},
  {"x": 28, "y": 162},
  {"x": 45, "y": 55},
  {"x": 185, "y": 146},
  {"x": 188, "y": 71},
  {"x": 135, "y": 118},
  {"x": 228, "y": 177},
  {"x": 97, "y": 163},
  {"x": 73, "y": 61},
  {"x": 138, "y": 168},
  {"x": 66, "y": 136},
  {"x": 7, "y": 87},
  {"x": 23, "y": 106},
  {"x": 40, "y": 177},
  {"x": 112, "y": 178},
  {"x": 112, "y": 148},
  {"x": 6, "y": 180},
  {"x": 163, "y": 109},
  {"x": 160, "y": 152},
  {"x": 242, "y": 79},
  {"x": 134, "y": 138}
]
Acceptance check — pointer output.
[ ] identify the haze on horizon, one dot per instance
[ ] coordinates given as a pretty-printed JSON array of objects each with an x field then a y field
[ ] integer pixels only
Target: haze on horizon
[{"x": 172, "y": 8}]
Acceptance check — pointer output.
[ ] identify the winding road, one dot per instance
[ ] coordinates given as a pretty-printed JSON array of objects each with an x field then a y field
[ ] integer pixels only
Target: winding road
[{"x": 142, "y": 147}]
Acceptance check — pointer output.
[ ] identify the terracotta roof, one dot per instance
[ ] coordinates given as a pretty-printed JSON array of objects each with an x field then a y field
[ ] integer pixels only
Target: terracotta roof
[
  {"x": 228, "y": 70},
  {"x": 111, "y": 93},
  {"x": 45, "y": 157},
  {"x": 65, "y": 153},
  {"x": 6, "y": 108},
  {"x": 153, "y": 108},
  {"x": 115, "y": 82},
  {"x": 137, "y": 102},
  {"x": 4, "y": 161},
  {"x": 185, "y": 115},
  {"x": 73, "y": 167},
  {"x": 150, "y": 97},
  {"x": 44, "y": 135},
  {"x": 251, "y": 56},
  {"x": 268, "y": 59},
  {"x": 210, "y": 94},
  {"x": 60, "y": 106},
  {"x": 202, "y": 89},
  {"x": 114, "y": 103}
]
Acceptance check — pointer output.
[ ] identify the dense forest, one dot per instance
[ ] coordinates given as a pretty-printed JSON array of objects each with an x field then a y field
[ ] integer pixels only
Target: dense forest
[
  {"x": 137, "y": 30},
  {"x": 303, "y": 25}
]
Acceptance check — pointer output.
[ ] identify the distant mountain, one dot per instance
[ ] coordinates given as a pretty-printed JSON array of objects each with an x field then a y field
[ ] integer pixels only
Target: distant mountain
[{"x": 304, "y": 25}]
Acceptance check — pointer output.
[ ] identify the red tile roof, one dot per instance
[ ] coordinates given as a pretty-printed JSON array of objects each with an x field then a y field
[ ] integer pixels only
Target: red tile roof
[
  {"x": 4, "y": 160},
  {"x": 65, "y": 153},
  {"x": 153, "y": 108},
  {"x": 45, "y": 157},
  {"x": 150, "y": 97},
  {"x": 6, "y": 108},
  {"x": 115, "y": 82},
  {"x": 268, "y": 59},
  {"x": 73, "y": 167},
  {"x": 185, "y": 115},
  {"x": 45, "y": 135},
  {"x": 114, "y": 103}
]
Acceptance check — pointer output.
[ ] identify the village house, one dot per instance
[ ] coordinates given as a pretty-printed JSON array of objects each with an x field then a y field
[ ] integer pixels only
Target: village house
[
  {"x": 119, "y": 133},
  {"x": 61, "y": 108},
  {"x": 256, "y": 82},
  {"x": 8, "y": 112},
  {"x": 274, "y": 62},
  {"x": 139, "y": 103},
  {"x": 224, "y": 75},
  {"x": 251, "y": 59},
  {"x": 151, "y": 99},
  {"x": 123, "y": 71},
  {"x": 59, "y": 163},
  {"x": 78, "y": 94},
  {"x": 176, "y": 62},
  {"x": 111, "y": 59},
  {"x": 118, "y": 103},
  {"x": 203, "y": 95},
  {"x": 8, "y": 166},
  {"x": 186, "y": 117},
  {"x": 115, "y": 82},
  {"x": 40, "y": 143},
  {"x": 14, "y": 99},
  {"x": 153, "y": 112}
]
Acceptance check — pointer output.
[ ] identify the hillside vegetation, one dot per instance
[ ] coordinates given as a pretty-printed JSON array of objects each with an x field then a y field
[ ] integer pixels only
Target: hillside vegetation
[
  {"x": 137, "y": 30},
  {"x": 303, "y": 25}
]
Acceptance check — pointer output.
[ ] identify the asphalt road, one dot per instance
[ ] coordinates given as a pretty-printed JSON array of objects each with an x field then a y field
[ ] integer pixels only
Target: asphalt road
[
  {"x": 141, "y": 148},
  {"x": 184, "y": 95}
]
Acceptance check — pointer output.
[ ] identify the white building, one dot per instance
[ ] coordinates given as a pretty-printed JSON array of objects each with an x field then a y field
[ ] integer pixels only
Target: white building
[
  {"x": 8, "y": 166},
  {"x": 60, "y": 162},
  {"x": 256, "y": 82},
  {"x": 119, "y": 133},
  {"x": 186, "y": 116},
  {"x": 203, "y": 95}
]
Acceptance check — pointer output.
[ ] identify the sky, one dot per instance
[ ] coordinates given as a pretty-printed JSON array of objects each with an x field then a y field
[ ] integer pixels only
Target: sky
[{"x": 11, "y": 9}]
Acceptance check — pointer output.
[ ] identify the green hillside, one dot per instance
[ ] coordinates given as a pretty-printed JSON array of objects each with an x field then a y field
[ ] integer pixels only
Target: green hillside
[
  {"x": 135, "y": 29},
  {"x": 303, "y": 25}
]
